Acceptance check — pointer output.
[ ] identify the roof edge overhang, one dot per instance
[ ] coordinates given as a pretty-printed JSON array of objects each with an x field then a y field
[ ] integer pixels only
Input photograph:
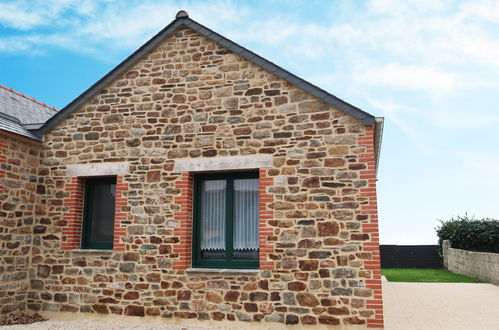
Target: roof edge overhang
[
  {"x": 13, "y": 133},
  {"x": 33, "y": 127},
  {"x": 10, "y": 118},
  {"x": 378, "y": 137},
  {"x": 364, "y": 117}
]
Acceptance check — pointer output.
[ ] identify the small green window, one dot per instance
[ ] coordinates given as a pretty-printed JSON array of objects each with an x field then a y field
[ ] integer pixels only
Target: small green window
[
  {"x": 98, "y": 214},
  {"x": 226, "y": 220}
]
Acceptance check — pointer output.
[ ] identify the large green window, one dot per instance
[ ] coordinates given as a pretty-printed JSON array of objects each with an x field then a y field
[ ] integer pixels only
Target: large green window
[
  {"x": 98, "y": 214},
  {"x": 226, "y": 220}
]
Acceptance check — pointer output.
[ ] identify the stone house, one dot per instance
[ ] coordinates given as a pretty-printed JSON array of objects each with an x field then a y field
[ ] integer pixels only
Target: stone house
[{"x": 195, "y": 182}]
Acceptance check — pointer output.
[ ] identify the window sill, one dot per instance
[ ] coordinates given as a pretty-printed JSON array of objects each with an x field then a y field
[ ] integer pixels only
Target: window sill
[
  {"x": 92, "y": 251},
  {"x": 222, "y": 271}
]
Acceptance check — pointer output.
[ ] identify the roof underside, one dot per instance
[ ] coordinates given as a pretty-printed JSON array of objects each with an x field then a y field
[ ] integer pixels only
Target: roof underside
[{"x": 361, "y": 115}]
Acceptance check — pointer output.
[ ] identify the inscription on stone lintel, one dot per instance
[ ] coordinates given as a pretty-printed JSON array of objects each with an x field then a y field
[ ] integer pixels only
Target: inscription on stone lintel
[{"x": 222, "y": 163}]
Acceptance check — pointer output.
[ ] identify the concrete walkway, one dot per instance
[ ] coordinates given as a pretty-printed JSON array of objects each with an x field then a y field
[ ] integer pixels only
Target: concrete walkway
[{"x": 428, "y": 306}]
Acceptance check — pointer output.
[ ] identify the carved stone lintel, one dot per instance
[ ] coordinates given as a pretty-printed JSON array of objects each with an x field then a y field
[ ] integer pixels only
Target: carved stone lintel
[{"x": 222, "y": 163}]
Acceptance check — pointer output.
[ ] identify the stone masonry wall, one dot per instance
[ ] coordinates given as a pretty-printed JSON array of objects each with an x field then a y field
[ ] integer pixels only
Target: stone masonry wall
[
  {"x": 192, "y": 98},
  {"x": 18, "y": 185},
  {"x": 481, "y": 265}
]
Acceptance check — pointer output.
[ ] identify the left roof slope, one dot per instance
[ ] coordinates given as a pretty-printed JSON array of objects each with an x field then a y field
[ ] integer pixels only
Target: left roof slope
[{"x": 19, "y": 113}]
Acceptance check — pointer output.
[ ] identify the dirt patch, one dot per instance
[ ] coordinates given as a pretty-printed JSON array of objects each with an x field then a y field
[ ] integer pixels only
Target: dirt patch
[{"x": 21, "y": 318}]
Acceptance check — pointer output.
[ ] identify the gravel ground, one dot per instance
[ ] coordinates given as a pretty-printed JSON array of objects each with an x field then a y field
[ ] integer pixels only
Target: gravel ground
[{"x": 90, "y": 325}]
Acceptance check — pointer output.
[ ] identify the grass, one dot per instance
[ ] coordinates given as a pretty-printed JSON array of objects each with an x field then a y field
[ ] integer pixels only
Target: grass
[{"x": 425, "y": 275}]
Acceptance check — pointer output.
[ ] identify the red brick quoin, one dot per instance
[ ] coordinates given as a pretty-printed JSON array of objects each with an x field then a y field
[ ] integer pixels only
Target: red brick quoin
[
  {"x": 370, "y": 209},
  {"x": 184, "y": 216},
  {"x": 71, "y": 234}
]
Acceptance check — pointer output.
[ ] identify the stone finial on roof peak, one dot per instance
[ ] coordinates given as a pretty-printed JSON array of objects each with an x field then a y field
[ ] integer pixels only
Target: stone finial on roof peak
[{"x": 182, "y": 14}]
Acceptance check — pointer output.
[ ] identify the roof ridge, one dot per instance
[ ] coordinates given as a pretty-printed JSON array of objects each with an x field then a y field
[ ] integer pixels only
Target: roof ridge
[{"x": 28, "y": 98}]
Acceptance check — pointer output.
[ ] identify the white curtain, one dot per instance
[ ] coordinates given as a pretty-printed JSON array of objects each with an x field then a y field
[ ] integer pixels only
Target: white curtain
[
  {"x": 213, "y": 214},
  {"x": 246, "y": 214}
]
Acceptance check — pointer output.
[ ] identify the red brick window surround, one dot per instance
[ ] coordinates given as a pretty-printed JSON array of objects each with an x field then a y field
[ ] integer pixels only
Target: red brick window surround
[
  {"x": 184, "y": 215},
  {"x": 72, "y": 232}
]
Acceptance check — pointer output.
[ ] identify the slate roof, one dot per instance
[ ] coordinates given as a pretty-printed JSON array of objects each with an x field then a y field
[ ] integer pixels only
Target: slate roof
[
  {"x": 20, "y": 113},
  {"x": 26, "y": 109},
  {"x": 13, "y": 125}
]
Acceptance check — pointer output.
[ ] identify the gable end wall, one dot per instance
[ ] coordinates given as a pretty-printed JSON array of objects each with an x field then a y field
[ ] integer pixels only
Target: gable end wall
[{"x": 191, "y": 98}]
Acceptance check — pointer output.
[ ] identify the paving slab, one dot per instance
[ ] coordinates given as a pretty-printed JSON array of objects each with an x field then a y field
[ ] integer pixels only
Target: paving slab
[{"x": 428, "y": 306}]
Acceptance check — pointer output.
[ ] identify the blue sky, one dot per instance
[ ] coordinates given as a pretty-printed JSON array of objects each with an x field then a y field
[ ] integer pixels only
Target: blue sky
[{"x": 431, "y": 68}]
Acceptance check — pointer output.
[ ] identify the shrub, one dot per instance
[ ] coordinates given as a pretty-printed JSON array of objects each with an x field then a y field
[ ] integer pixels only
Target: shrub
[{"x": 470, "y": 234}]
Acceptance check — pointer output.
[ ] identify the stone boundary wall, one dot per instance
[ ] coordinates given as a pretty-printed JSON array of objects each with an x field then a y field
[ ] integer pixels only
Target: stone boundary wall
[{"x": 481, "y": 265}]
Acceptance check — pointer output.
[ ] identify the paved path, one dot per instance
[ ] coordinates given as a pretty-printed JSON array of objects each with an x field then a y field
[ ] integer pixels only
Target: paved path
[
  {"x": 93, "y": 325},
  {"x": 450, "y": 306}
]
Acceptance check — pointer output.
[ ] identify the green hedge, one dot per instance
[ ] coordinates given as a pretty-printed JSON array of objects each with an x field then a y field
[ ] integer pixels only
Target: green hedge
[{"x": 470, "y": 234}]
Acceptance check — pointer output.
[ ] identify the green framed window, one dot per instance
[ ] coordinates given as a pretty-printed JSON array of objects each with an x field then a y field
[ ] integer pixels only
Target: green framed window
[
  {"x": 98, "y": 213},
  {"x": 226, "y": 220}
]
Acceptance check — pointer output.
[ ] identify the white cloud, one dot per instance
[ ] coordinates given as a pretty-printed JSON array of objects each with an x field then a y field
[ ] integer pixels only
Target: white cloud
[
  {"x": 101, "y": 27},
  {"x": 413, "y": 77},
  {"x": 396, "y": 8},
  {"x": 423, "y": 33},
  {"x": 27, "y": 15},
  {"x": 436, "y": 115},
  {"x": 13, "y": 45},
  {"x": 484, "y": 10},
  {"x": 435, "y": 48},
  {"x": 395, "y": 113},
  {"x": 16, "y": 15}
]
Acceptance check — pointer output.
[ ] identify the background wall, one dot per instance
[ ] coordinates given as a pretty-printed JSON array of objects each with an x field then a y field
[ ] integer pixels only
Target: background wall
[{"x": 481, "y": 265}]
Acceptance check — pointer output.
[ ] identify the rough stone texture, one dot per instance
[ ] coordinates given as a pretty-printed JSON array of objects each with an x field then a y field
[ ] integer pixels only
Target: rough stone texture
[
  {"x": 20, "y": 318},
  {"x": 18, "y": 188},
  {"x": 191, "y": 98},
  {"x": 481, "y": 265}
]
